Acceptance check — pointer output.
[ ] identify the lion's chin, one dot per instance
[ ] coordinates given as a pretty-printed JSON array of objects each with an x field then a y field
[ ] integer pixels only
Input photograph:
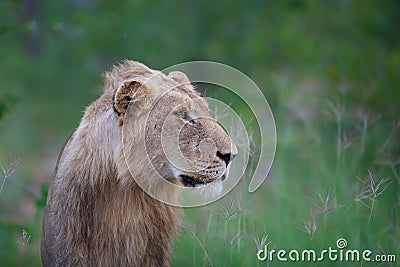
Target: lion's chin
[{"x": 210, "y": 190}]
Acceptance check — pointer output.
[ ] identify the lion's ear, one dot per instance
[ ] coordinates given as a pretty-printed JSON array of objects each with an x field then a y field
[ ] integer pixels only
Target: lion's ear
[
  {"x": 128, "y": 91},
  {"x": 179, "y": 77}
]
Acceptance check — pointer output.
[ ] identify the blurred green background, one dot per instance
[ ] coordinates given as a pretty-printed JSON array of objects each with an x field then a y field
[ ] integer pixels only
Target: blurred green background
[{"x": 329, "y": 69}]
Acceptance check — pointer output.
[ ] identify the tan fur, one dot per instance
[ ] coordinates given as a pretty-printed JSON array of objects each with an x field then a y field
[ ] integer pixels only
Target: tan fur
[{"x": 96, "y": 213}]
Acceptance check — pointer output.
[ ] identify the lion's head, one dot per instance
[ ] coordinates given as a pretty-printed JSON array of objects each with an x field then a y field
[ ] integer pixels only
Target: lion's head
[{"x": 165, "y": 122}]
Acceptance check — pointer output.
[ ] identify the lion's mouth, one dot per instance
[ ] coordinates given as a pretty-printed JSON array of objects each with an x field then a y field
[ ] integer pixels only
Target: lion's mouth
[{"x": 189, "y": 181}]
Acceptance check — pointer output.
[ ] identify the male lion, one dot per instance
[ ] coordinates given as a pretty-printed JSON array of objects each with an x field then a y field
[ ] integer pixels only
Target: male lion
[{"x": 98, "y": 210}]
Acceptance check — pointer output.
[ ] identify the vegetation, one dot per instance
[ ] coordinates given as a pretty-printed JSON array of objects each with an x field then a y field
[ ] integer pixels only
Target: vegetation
[{"x": 329, "y": 69}]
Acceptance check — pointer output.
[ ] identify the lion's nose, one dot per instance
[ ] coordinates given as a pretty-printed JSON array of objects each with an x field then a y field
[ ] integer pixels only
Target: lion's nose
[{"x": 228, "y": 157}]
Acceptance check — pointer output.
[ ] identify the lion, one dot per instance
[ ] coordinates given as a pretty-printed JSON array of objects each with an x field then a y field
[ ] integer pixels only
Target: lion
[{"x": 99, "y": 211}]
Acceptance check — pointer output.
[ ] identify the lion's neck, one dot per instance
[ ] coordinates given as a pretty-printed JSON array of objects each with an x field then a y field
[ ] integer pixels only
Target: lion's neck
[{"x": 131, "y": 222}]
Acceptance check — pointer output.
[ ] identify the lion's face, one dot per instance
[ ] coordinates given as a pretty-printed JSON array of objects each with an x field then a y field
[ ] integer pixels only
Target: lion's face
[{"x": 184, "y": 144}]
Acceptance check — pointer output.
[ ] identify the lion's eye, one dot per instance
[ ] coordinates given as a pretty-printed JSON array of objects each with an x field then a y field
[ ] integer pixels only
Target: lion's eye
[{"x": 185, "y": 116}]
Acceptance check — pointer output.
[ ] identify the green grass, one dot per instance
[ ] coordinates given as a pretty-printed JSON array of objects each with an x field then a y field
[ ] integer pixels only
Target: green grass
[
  {"x": 307, "y": 205},
  {"x": 329, "y": 69}
]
